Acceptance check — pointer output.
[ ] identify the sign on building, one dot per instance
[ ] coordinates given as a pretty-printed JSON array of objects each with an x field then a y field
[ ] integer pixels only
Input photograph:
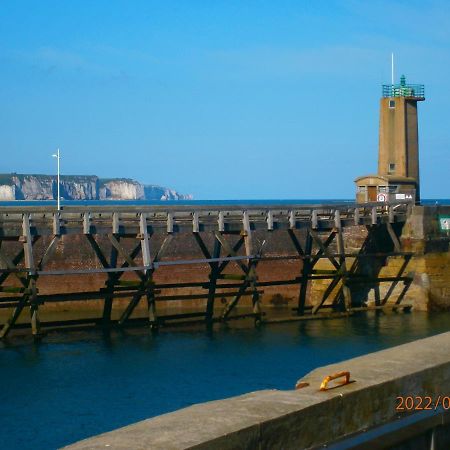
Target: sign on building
[
  {"x": 444, "y": 223},
  {"x": 404, "y": 196}
]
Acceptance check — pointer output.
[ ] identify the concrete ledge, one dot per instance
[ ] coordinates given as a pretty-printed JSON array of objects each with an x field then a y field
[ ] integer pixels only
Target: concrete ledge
[
  {"x": 423, "y": 223},
  {"x": 298, "y": 419}
]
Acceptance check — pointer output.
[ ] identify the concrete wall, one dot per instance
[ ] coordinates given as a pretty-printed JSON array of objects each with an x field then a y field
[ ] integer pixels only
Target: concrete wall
[
  {"x": 398, "y": 137},
  {"x": 422, "y": 235},
  {"x": 304, "y": 418}
]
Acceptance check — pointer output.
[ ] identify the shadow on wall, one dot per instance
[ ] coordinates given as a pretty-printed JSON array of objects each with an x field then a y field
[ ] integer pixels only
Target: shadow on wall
[{"x": 366, "y": 269}]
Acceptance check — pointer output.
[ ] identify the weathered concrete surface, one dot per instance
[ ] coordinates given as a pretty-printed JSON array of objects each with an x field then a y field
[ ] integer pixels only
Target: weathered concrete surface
[
  {"x": 431, "y": 262},
  {"x": 298, "y": 419}
]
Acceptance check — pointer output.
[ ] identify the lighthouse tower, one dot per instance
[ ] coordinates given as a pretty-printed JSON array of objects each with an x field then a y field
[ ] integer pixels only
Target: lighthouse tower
[{"x": 398, "y": 150}]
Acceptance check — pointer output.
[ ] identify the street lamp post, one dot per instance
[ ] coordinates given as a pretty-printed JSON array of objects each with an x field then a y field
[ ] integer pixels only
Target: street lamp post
[{"x": 57, "y": 156}]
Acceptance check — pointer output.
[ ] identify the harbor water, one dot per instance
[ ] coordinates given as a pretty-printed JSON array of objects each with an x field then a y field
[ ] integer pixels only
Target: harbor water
[{"x": 75, "y": 384}]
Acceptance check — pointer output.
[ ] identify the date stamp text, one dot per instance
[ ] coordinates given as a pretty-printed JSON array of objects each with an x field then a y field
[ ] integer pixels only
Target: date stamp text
[{"x": 422, "y": 402}]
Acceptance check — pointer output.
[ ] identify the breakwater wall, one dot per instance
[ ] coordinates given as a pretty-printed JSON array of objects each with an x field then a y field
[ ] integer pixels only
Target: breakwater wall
[
  {"x": 369, "y": 412},
  {"x": 421, "y": 235}
]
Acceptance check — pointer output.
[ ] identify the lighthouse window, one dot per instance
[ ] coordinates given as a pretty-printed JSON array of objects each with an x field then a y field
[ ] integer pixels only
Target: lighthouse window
[
  {"x": 391, "y": 167},
  {"x": 391, "y": 104}
]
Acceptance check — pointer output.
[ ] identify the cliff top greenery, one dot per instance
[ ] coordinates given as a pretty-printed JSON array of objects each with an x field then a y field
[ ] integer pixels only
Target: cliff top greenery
[
  {"x": 7, "y": 178},
  {"x": 79, "y": 178},
  {"x": 103, "y": 181}
]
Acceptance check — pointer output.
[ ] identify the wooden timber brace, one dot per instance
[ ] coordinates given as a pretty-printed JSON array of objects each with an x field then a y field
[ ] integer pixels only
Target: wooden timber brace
[
  {"x": 30, "y": 293},
  {"x": 311, "y": 246}
]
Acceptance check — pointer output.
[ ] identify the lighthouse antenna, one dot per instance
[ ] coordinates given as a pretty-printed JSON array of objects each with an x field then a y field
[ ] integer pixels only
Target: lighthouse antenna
[{"x": 392, "y": 68}]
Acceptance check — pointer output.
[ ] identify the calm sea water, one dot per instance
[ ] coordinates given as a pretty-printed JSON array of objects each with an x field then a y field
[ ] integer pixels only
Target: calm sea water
[
  {"x": 433, "y": 201},
  {"x": 72, "y": 385}
]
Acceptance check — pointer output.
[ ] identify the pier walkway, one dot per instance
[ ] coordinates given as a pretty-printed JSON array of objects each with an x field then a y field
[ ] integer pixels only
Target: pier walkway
[{"x": 138, "y": 239}]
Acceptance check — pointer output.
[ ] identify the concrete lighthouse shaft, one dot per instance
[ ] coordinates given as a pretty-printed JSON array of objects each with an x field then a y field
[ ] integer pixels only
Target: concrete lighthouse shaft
[{"x": 398, "y": 151}]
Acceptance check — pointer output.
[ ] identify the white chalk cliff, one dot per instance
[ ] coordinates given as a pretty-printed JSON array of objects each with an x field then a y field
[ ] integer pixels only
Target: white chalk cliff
[{"x": 81, "y": 187}]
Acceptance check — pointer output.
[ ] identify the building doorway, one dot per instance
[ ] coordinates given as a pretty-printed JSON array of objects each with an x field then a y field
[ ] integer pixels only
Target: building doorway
[{"x": 372, "y": 193}]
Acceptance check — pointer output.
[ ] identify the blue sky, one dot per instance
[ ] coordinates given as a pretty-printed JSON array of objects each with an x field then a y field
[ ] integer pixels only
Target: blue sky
[{"x": 221, "y": 99}]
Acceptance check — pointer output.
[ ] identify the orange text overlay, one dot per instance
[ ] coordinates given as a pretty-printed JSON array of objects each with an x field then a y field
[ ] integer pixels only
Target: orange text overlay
[{"x": 422, "y": 402}]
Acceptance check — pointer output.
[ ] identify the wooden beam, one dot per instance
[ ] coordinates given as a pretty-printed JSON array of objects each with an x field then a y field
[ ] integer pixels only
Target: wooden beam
[
  {"x": 34, "y": 308},
  {"x": 249, "y": 251},
  {"x": 314, "y": 220},
  {"x": 247, "y": 233},
  {"x": 270, "y": 220},
  {"x": 169, "y": 222},
  {"x": 107, "y": 306},
  {"x": 32, "y": 276},
  {"x": 49, "y": 251},
  {"x": 250, "y": 276},
  {"x": 230, "y": 251},
  {"x": 117, "y": 275},
  {"x": 236, "y": 248},
  {"x": 115, "y": 223},
  {"x": 296, "y": 243},
  {"x": 87, "y": 223},
  {"x": 307, "y": 266},
  {"x": 343, "y": 270},
  {"x": 374, "y": 218},
  {"x": 130, "y": 308},
  {"x": 116, "y": 244},
  {"x": 356, "y": 216},
  {"x": 148, "y": 287},
  {"x": 221, "y": 221},
  {"x": 195, "y": 222},
  {"x": 13, "y": 269},
  {"x": 403, "y": 292},
  {"x": 323, "y": 247},
  {"x": 30, "y": 294},
  {"x": 146, "y": 257},
  {"x": 327, "y": 293},
  {"x": 321, "y": 252},
  {"x": 212, "y": 284},
  {"x": 292, "y": 221},
  {"x": 181, "y": 316},
  {"x": 14, "y": 316},
  {"x": 98, "y": 251},
  {"x": 230, "y": 306},
  {"x": 202, "y": 246},
  {"x": 391, "y": 214},
  {"x": 56, "y": 224},
  {"x": 397, "y": 279},
  {"x": 393, "y": 237},
  {"x": 8, "y": 271},
  {"x": 147, "y": 260}
]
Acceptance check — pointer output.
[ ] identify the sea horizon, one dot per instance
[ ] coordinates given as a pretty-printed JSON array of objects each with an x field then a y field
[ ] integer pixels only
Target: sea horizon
[{"x": 255, "y": 202}]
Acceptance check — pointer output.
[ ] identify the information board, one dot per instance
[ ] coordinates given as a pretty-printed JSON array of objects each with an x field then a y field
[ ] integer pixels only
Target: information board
[{"x": 444, "y": 223}]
